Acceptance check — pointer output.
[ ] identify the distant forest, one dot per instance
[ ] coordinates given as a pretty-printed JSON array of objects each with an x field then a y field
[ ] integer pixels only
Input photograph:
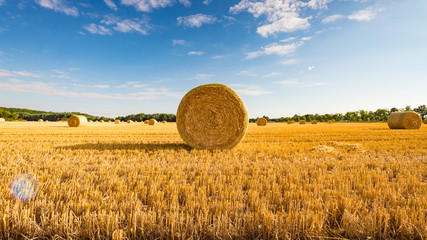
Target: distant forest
[{"x": 380, "y": 115}]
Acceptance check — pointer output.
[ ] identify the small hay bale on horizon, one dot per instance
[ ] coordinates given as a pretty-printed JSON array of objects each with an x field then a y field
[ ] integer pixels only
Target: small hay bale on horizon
[
  {"x": 261, "y": 122},
  {"x": 146, "y": 121},
  {"x": 404, "y": 120},
  {"x": 425, "y": 121},
  {"x": 152, "y": 121},
  {"x": 2, "y": 120},
  {"x": 77, "y": 121},
  {"x": 90, "y": 121},
  {"x": 212, "y": 116},
  {"x": 330, "y": 122},
  {"x": 163, "y": 121},
  {"x": 314, "y": 122},
  {"x": 117, "y": 121},
  {"x": 129, "y": 121},
  {"x": 40, "y": 120},
  {"x": 302, "y": 122},
  {"x": 291, "y": 122},
  {"x": 101, "y": 121}
]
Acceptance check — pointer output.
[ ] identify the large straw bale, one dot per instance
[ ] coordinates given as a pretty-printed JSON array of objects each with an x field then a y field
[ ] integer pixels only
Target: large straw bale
[
  {"x": 77, "y": 121},
  {"x": 261, "y": 122},
  {"x": 152, "y": 121},
  {"x": 212, "y": 116},
  {"x": 404, "y": 120}
]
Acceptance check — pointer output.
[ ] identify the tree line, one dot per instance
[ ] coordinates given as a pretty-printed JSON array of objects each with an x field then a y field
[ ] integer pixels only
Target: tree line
[{"x": 380, "y": 115}]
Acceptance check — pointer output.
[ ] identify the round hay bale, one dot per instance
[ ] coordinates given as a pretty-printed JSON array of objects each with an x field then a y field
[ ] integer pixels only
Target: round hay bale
[
  {"x": 116, "y": 121},
  {"x": 146, "y": 122},
  {"x": 404, "y": 120},
  {"x": 330, "y": 122},
  {"x": 90, "y": 121},
  {"x": 302, "y": 122},
  {"x": 212, "y": 116},
  {"x": 77, "y": 121},
  {"x": 314, "y": 122},
  {"x": 40, "y": 120},
  {"x": 101, "y": 121},
  {"x": 425, "y": 121},
  {"x": 152, "y": 121},
  {"x": 261, "y": 122},
  {"x": 163, "y": 121},
  {"x": 109, "y": 121},
  {"x": 129, "y": 121},
  {"x": 2, "y": 120},
  {"x": 291, "y": 122}
]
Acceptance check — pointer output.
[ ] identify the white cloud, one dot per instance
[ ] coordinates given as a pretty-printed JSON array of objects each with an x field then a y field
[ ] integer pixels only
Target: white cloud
[
  {"x": 332, "y": 18},
  {"x": 6, "y": 73},
  {"x": 289, "y": 62},
  {"x": 148, "y": 5},
  {"x": 201, "y": 77},
  {"x": 58, "y": 6},
  {"x": 364, "y": 15},
  {"x": 273, "y": 74},
  {"x": 178, "y": 42},
  {"x": 196, "y": 20},
  {"x": 249, "y": 73},
  {"x": 198, "y": 53},
  {"x": 250, "y": 90},
  {"x": 2, "y": 1},
  {"x": 220, "y": 56},
  {"x": 281, "y": 15},
  {"x": 110, "y": 23},
  {"x": 19, "y": 86},
  {"x": 186, "y": 3},
  {"x": 276, "y": 49},
  {"x": 298, "y": 83},
  {"x": 97, "y": 29},
  {"x": 111, "y": 4},
  {"x": 60, "y": 74},
  {"x": 207, "y": 2}
]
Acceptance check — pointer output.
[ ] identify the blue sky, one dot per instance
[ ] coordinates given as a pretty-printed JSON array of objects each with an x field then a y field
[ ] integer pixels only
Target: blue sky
[{"x": 283, "y": 57}]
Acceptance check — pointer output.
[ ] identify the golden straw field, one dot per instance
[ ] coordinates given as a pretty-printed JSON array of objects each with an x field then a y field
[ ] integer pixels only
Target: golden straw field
[{"x": 283, "y": 181}]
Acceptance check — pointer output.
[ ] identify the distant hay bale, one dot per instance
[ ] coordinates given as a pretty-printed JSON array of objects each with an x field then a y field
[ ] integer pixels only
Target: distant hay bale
[
  {"x": 101, "y": 121},
  {"x": 90, "y": 121},
  {"x": 109, "y": 121},
  {"x": 116, "y": 121},
  {"x": 261, "y": 122},
  {"x": 163, "y": 121},
  {"x": 212, "y": 116},
  {"x": 314, "y": 122},
  {"x": 40, "y": 120},
  {"x": 404, "y": 120},
  {"x": 291, "y": 122},
  {"x": 152, "y": 121},
  {"x": 425, "y": 121},
  {"x": 330, "y": 122},
  {"x": 2, "y": 120},
  {"x": 146, "y": 122},
  {"x": 129, "y": 121},
  {"x": 77, "y": 121},
  {"x": 302, "y": 122}
]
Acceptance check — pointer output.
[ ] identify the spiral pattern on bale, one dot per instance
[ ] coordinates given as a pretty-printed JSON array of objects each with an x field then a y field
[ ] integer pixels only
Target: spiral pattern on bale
[
  {"x": 77, "y": 121},
  {"x": 261, "y": 122},
  {"x": 152, "y": 121},
  {"x": 212, "y": 116},
  {"x": 404, "y": 120}
]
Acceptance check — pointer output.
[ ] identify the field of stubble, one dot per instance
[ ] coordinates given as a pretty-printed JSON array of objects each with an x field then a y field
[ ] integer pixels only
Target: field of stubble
[{"x": 133, "y": 181}]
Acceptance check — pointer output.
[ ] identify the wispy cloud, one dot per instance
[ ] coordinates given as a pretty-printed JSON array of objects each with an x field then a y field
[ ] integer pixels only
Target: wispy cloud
[
  {"x": 207, "y": 2},
  {"x": 364, "y": 15},
  {"x": 111, "y": 4},
  {"x": 196, "y": 20},
  {"x": 178, "y": 42},
  {"x": 250, "y": 90},
  {"x": 289, "y": 62},
  {"x": 246, "y": 73},
  {"x": 298, "y": 83},
  {"x": 198, "y": 53},
  {"x": 278, "y": 48},
  {"x": 149, "y": 5},
  {"x": 6, "y": 73},
  {"x": 273, "y": 74},
  {"x": 112, "y": 23},
  {"x": 19, "y": 86},
  {"x": 60, "y": 74},
  {"x": 59, "y": 6},
  {"x": 100, "y": 86},
  {"x": 201, "y": 77},
  {"x": 281, "y": 16},
  {"x": 220, "y": 56}
]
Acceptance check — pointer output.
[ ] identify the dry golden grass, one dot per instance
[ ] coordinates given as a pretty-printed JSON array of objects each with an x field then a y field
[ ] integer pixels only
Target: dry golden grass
[{"x": 282, "y": 181}]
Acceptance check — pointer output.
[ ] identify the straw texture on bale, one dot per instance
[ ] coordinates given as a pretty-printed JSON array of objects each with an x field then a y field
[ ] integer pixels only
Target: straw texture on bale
[
  {"x": 314, "y": 122},
  {"x": 152, "y": 121},
  {"x": 302, "y": 122},
  {"x": 116, "y": 121},
  {"x": 261, "y": 122},
  {"x": 40, "y": 120},
  {"x": 404, "y": 120},
  {"x": 212, "y": 116},
  {"x": 2, "y": 120},
  {"x": 146, "y": 121},
  {"x": 77, "y": 121}
]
